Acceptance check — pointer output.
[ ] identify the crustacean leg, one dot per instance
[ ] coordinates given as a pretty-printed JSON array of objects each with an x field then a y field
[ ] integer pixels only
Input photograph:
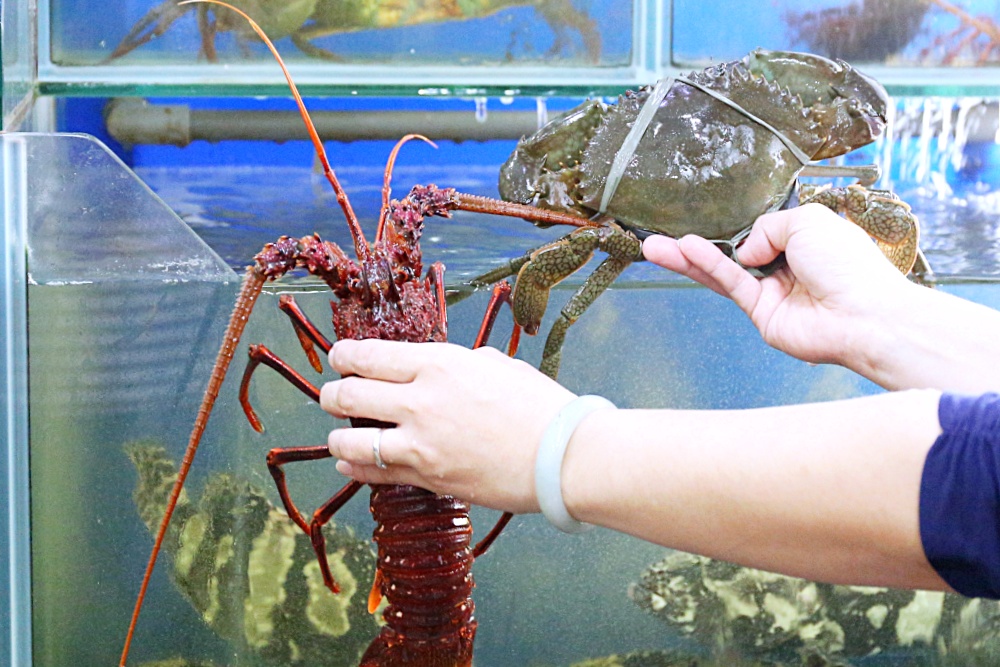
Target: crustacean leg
[
  {"x": 882, "y": 214},
  {"x": 309, "y": 335},
  {"x": 278, "y": 457},
  {"x": 328, "y": 19},
  {"x": 965, "y": 36},
  {"x": 542, "y": 268},
  {"x": 562, "y": 15},
  {"x": 157, "y": 21}
]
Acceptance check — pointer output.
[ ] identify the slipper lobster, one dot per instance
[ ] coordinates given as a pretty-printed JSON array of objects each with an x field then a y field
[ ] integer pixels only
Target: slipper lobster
[{"x": 424, "y": 540}]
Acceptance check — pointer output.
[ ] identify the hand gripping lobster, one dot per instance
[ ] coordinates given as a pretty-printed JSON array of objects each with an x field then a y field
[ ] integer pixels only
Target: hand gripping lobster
[{"x": 424, "y": 540}]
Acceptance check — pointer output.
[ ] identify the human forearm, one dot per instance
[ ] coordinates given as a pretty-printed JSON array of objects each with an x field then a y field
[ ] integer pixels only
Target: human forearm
[
  {"x": 825, "y": 491},
  {"x": 929, "y": 338},
  {"x": 828, "y": 491}
]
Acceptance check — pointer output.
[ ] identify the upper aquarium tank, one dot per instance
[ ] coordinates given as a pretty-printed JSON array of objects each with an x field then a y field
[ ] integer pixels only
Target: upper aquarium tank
[
  {"x": 151, "y": 150},
  {"x": 500, "y": 47}
]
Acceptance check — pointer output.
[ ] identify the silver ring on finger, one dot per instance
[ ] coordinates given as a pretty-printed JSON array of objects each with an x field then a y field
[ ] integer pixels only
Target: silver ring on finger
[{"x": 377, "y": 449}]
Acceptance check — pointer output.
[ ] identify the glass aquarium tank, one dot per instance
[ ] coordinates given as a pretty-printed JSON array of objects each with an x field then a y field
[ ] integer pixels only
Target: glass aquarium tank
[
  {"x": 501, "y": 47},
  {"x": 916, "y": 41},
  {"x": 150, "y": 152}
]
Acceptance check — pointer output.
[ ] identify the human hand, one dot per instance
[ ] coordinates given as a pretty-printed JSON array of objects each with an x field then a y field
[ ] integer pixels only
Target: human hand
[
  {"x": 468, "y": 421},
  {"x": 834, "y": 290}
]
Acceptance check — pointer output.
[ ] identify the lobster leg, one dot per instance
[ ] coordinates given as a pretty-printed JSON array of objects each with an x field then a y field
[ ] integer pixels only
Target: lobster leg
[
  {"x": 207, "y": 30},
  {"x": 278, "y": 457},
  {"x": 436, "y": 276},
  {"x": 309, "y": 335},
  {"x": 155, "y": 22},
  {"x": 500, "y": 296},
  {"x": 491, "y": 536},
  {"x": 321, "y": 517},
  {"x": 261, "y": 355}
]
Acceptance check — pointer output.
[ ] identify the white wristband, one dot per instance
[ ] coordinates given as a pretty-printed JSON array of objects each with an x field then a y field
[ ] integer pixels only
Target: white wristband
[{"x": 548, "y": 463}]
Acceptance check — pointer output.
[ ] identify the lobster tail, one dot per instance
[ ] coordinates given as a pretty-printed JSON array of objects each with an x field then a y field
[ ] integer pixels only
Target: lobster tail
[
  {"x": 425, "y": 561},
  {"x": 388, "y": 650}
]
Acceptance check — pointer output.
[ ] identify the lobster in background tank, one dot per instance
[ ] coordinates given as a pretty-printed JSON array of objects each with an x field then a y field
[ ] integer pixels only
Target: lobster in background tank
[
  {"x": 424, "y": 540},
  {"x": 306, "y": 20},
  {"x": 883, "y": 31}
]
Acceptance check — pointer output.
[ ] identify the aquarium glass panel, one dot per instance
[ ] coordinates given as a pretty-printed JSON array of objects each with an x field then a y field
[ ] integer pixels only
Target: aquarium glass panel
[
  {"x": 106, "y": 265},
  {"x": 20, "y": 50},
  {"x": 435, "y": 47},
  {"x": 895, "y": 33},
  {"x": 15, "y": 587},
  {"x": 338, "y": 34},
  {"x": 126, "y": 315}
]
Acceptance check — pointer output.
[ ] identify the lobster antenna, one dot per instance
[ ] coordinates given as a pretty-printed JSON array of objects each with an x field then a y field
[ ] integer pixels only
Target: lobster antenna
[
  {"x": 250, "y": 290},
  {"x": 252, "y": 284},
  {"x": 360, "y": 244},
  {"x": 387, "y": 179}
]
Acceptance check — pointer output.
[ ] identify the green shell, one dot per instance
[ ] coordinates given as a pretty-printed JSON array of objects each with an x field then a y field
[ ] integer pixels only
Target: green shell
[{"x": 701, "y": 166}]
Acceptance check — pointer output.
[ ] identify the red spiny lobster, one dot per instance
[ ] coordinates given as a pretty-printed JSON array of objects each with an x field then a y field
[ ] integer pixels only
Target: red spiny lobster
[{"x": 424, "y": 552}]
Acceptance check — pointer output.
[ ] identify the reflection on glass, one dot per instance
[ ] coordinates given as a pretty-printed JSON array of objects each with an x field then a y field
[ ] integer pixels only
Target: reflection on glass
[
  {"x": 18, "y": 49},
  {"x": 903, "y": 33},
  {"x": 416, "y": 32}
]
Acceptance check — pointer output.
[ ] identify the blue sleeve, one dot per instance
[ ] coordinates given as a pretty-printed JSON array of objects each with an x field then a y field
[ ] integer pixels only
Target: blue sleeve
[{"x": 960, "y": 495}]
